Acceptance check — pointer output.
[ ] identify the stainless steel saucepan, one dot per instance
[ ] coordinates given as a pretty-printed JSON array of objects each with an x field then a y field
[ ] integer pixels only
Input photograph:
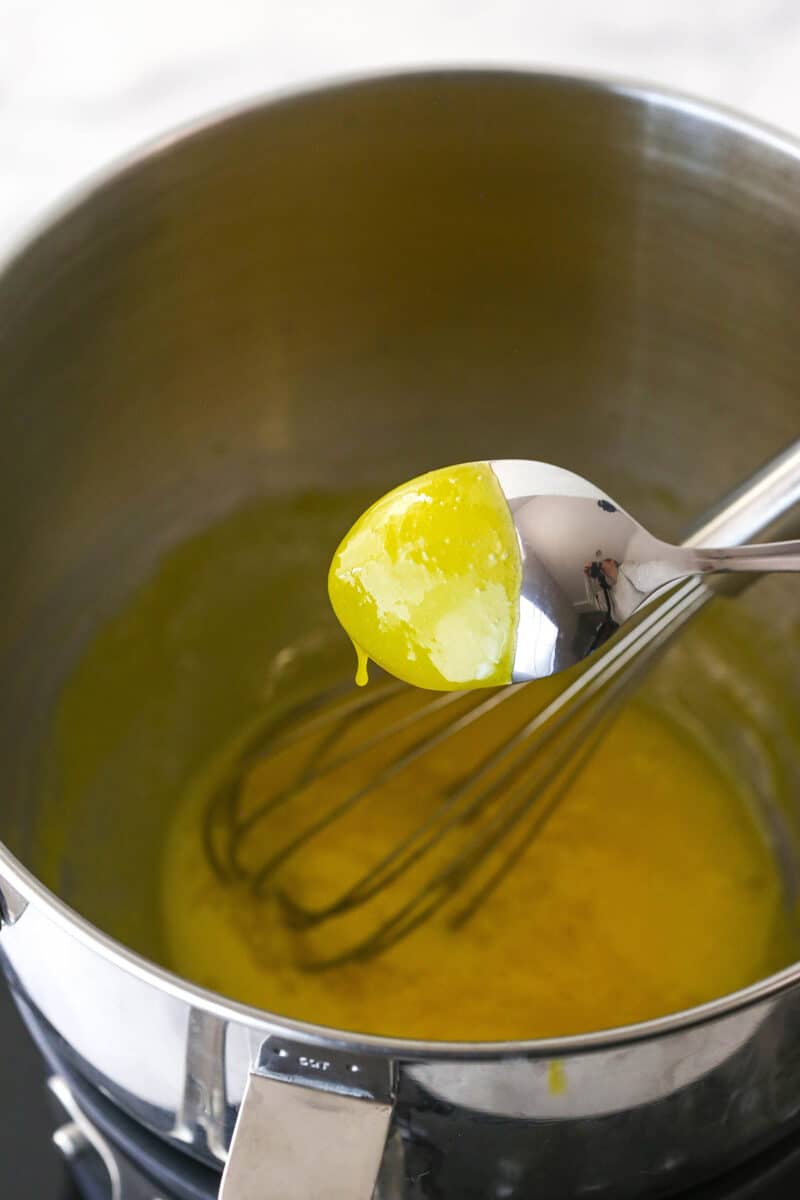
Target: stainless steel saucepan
[{"x": 353, "y": 285}]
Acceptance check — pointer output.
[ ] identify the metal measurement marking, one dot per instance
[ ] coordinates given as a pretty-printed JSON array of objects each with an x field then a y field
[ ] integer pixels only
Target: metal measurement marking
[{"x": 290, "y": 1062}]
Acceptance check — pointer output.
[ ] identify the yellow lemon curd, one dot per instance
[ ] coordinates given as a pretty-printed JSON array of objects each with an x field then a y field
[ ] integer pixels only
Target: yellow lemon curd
[
  {"x": 427, "y": 581},
  {"x": 649, "y": 889}
]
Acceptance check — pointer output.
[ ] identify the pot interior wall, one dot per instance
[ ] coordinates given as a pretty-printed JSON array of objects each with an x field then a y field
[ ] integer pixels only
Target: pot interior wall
[{"x": 305, "y": 303}]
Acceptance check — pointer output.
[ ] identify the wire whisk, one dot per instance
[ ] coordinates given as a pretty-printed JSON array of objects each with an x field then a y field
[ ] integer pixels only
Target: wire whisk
[{"x": 332, "y": 759}]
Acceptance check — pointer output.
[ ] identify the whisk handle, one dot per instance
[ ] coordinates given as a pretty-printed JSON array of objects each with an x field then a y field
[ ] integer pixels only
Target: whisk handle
[{"x": 769, "y": 556}]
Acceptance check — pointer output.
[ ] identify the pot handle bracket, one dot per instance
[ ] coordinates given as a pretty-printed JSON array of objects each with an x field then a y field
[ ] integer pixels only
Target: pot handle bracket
[
  {"x": 12, "y": 903},
  {"x": 313, "y": 1123}
]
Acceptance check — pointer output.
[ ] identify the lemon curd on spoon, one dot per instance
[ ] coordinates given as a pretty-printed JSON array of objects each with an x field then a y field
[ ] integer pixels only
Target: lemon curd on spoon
[{"x": 427, "y": 581}]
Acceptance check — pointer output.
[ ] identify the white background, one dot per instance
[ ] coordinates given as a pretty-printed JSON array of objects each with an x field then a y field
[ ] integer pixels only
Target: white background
[{"x": 82, "y": 81}]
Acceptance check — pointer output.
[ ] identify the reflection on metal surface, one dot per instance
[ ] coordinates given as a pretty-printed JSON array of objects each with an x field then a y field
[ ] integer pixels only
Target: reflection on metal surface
[
  {"x": 614, "y": 1081},
  {"x": 588, "y": 566},
  {"x": 540, "y": 637},
  {"x": 203, "y": 1107},
  {"x": 12, "y": 903}
]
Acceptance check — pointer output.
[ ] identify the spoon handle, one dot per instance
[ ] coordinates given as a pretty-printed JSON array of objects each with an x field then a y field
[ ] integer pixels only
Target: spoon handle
[{"x": 769, "y": 556}]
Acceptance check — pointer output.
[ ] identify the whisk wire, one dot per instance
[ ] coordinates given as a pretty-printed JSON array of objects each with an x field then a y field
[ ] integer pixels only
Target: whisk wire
[
  {"x": 414, "y": 753},
  {"x": 485, "y": 805}
]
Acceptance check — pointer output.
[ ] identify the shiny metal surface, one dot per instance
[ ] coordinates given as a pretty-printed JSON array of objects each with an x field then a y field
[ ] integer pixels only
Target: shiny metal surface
[
  {"x": 357, "y": 284},
  {"x": 588, "y": 566},
  {"x": 310, "y": 1125}
]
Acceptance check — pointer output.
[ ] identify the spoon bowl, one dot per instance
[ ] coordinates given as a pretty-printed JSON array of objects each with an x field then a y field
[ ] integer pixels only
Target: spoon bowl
[
  {"x": 505, "y": 571},
  {"x": 588, "y": 565}
]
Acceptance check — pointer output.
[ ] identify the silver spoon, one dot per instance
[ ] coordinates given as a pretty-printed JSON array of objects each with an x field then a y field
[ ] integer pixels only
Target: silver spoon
[{"x": 588, "y": 566}]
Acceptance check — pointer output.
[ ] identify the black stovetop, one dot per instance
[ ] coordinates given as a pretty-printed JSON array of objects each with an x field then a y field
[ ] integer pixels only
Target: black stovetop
[
  {"x": 30, "y": 1166},
  {"x": 32, "y": 1169}
]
